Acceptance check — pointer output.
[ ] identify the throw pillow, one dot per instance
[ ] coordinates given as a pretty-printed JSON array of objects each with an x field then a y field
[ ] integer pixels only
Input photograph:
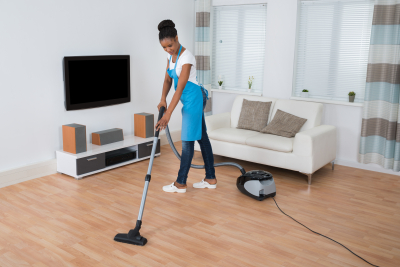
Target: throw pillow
[
  {"x": 284, "y": 124},
  {"x": 254, "y": 115}
]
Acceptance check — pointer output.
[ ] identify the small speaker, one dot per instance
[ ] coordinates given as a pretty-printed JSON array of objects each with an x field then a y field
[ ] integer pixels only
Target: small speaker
[
  {"x": 74, "y": 138},
  {"x": 144, "y": 125},
  {"x": 107, "y": 136}
]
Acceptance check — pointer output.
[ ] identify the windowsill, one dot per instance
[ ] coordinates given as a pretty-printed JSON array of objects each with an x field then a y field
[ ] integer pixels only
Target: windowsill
[
  {"x": 354, "y": 104},
  {"x": 237, "y": 92}
]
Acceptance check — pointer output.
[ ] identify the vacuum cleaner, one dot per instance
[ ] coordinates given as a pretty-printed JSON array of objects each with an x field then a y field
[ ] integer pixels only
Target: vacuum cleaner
[{"x": 256, "y": 184}]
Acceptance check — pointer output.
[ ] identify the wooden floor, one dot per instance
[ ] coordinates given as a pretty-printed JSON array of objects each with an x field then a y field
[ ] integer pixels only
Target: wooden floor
[{"x": 59, "y": 221}]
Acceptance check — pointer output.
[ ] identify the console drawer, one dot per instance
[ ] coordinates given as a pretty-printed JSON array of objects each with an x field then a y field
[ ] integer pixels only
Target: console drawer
[
  {"x": 90, "y": 164},
  {"x": 144, "y": 150}
]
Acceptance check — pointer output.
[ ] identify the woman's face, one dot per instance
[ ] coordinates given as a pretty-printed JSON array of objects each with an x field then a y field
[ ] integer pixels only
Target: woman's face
[{"x": 170, "y": 45}]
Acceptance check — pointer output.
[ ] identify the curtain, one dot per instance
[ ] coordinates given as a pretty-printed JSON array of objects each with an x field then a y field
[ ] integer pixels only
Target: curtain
[
  {"x": 202, "y": 47},
  {"x": 380, "y": 131}
]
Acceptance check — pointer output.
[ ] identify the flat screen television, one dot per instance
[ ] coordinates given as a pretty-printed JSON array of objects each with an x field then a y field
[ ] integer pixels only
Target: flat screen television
[{"x": 96, "y": 81}]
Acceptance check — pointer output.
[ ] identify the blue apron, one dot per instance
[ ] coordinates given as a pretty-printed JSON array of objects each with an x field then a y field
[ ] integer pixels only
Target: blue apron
[{"x": 192, "y": 111}]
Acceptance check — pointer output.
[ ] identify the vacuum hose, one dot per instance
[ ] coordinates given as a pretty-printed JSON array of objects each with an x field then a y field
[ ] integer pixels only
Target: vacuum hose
[
  {"x": 200, "y": 166},
  {"x": 244, "y": 172}
]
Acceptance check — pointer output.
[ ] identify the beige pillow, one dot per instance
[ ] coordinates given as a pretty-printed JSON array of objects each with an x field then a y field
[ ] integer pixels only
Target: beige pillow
[
  {"x": 254, "y": 115},
  {"x": 284, "y": 124}
]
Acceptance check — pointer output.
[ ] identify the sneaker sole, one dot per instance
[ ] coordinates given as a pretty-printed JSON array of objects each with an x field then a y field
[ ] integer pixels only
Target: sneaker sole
[
  {"x": 210, "y": 187},
  {"x": 175, "y": 191}
]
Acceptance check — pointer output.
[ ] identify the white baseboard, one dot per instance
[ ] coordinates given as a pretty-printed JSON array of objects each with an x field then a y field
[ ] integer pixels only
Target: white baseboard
[
  {"x": 176, "y": 136},
  {"x": 369, "y": 167},
  {"x": 49, "y": 167},
  {"x": 29, "y": 172}
]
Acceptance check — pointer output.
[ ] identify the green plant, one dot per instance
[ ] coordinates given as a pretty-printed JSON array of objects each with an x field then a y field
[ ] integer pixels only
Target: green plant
[
  {"x": 305, "y": 91},
  {"x": 352, "y": 93},
  {"x": 220, "y": 83},
  {"x": 250, "y": 81}
]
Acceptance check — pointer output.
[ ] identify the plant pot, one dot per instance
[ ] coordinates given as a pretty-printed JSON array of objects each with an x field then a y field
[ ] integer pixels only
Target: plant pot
[
  {"x": 220, "y": 87},
  {"x": 249, "y": 90},
  {"x": 351, "y": 98},
  {"x": 304, "y": 94}
]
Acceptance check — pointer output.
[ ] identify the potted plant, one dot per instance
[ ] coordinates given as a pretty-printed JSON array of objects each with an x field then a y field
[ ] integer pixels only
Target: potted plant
[
  {"x": 304, "y": 93},
  {"x": 250, "y": 82},
  {"x": 220, "y": 84},
  {"x": 352, "y": 95}
]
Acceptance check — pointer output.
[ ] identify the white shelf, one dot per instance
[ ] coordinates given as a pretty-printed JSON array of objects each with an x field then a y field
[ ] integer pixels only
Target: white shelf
[
  {"x": 236, "y": 92},
  {"x": 354, "y": 104},
  {"x": 92, "y": 149},
  {"x": 94, "y": 159}
]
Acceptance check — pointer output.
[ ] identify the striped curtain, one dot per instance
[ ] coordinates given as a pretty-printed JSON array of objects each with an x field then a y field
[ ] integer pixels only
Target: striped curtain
[
  {"x": 380, "y": 132},
  {"x": 202, "y": 47}
]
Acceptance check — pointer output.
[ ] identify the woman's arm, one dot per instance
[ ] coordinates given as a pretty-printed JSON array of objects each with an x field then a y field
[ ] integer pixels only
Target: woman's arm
[{"x": 183, "y": 78}]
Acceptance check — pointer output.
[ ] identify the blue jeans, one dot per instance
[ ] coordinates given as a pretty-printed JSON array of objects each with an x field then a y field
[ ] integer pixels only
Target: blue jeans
[{"x": 188, "y": 151}]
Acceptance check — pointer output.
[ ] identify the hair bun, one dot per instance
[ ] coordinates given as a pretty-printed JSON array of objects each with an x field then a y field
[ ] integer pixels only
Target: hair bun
[{"x": 166, "y": 23}]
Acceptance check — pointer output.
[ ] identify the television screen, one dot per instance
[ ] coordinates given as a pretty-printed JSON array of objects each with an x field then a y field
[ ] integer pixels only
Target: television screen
[{"x": 96, "y": 81}]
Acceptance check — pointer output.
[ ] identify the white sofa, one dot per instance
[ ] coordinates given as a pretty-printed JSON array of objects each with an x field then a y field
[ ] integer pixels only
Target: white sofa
[{"x": 312, "y": 148}]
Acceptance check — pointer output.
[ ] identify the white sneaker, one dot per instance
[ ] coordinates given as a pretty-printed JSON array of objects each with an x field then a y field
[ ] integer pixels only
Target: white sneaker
[
  {"x": 172, "y": 188},
  {"x": 204, "y": 184}
]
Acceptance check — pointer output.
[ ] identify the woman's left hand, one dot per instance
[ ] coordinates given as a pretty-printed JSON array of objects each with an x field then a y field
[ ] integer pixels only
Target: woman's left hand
[{"x": 162, "y": 124}]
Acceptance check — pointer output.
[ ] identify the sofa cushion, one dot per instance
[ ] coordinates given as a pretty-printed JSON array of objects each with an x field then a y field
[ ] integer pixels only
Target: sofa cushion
[
  {"x": 271, "y": 142},
  {"x": 308, "y": 110},
  {"x": 231, "y": 135},
  {"x": 284, "y": 124},
  {"x": 237, "y": 106},
  {"x": 254, "y": 115}
]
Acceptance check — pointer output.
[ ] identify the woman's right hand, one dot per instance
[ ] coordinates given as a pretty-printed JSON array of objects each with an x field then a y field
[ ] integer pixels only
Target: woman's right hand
[{"x": 163, "y": 103}]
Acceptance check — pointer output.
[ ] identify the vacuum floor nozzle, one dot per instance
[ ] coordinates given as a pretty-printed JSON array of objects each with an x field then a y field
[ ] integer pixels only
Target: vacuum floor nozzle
[
  {"x": 133, "y": 237},
  {"x": 137, "y": 240}
]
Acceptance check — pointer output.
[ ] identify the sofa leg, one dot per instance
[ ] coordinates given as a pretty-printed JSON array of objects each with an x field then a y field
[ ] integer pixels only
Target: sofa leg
[
  {"x": 333, "y": 165},
  {"x": 309, "y": 175},
  {"x": 309, "y": 178}
]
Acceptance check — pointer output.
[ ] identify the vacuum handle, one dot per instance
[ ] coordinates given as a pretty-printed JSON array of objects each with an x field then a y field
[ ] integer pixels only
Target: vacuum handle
[{"x": 160, "y": 115}]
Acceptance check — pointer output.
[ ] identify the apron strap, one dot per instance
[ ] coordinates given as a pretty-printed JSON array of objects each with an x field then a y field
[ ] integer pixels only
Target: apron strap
[
  {"x": 176, "y": 62},
  {"x": 170, "y": 59}
]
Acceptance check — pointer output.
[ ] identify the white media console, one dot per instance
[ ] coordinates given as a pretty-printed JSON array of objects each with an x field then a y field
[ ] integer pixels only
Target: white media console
[{"x": 94, "y": 159}]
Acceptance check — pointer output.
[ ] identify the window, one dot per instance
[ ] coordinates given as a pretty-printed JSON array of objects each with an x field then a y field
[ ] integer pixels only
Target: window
[
  {"x": 332, "y": 48},
  {"x": 238, "y": 46}
]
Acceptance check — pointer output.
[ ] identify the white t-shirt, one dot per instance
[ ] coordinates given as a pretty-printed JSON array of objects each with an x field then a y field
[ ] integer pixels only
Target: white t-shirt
[{"x": 185, "y": 58}]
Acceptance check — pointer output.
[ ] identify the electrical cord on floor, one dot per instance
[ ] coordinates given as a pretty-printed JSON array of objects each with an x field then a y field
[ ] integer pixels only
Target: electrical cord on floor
[{"x": 323, "y": 235}]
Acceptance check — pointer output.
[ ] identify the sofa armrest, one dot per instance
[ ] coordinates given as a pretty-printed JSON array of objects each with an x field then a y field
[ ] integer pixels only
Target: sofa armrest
[
  {"x": 318, "y": 142},
  {"x": 217, "y": 121}
]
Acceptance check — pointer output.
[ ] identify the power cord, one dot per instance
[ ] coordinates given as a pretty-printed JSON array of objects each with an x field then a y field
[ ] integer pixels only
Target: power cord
[{"x": 323, "y": 235}]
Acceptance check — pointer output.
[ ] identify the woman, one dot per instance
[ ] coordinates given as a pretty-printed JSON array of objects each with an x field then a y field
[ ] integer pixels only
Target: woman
[{"x": 181, "y": 68}]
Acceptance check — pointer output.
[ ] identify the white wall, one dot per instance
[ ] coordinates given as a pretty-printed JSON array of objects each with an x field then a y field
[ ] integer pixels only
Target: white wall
[
  {"x": 36, "y": 35},
  {"x": 278, "y": 73}
]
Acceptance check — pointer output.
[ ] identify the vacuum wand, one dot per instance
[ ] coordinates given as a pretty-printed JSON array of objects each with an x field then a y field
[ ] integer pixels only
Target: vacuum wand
[
  {"x": 148, "y": 176},
  {"x": 134, "y": 237}
]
